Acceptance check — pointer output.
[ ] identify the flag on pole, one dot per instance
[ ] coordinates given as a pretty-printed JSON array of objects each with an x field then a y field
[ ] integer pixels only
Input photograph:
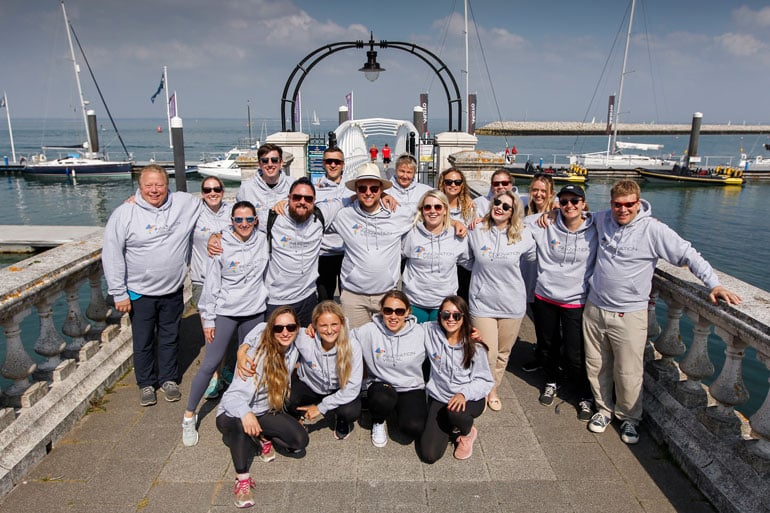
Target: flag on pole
[
  {"x": 172, "y": 105},
  {"x": 349, "y": 104},
  {"x": 160, "y": 88}
]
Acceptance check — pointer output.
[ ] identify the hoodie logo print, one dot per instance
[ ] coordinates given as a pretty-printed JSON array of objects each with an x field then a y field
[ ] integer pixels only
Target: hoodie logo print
[
  {"x": 284, "y": 240},
  {"x": 151, "y": 229},
  {"x": 419, "y": 251},
  {"x": 311, "y": 364},
  {"x": 554, "y": 243},
  {"x": 436, "y": 357},
  {"x": 357, "y": 228},
  {"x": 233, "y": 266},
  {"x": 379, "y": 351},
  {"x": 485, "y": 250}
]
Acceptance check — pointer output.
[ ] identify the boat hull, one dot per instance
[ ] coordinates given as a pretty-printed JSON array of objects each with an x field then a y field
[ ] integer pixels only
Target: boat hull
[
  {"x": 673, "y": 177},
  {"x": 79, "y": 169},
  {"x": 563, "y": 175}
]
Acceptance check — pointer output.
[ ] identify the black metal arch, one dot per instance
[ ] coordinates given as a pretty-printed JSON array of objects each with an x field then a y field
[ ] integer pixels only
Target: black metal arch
[{"x": 310, "y": 60}]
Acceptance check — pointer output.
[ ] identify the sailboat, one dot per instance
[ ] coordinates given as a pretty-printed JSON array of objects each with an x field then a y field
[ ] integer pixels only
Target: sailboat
[
  {"x": 613, "y": 157},
  {"x": 11, "y": 165},
  {"x": 81, "y": 160},
  {"x": 315, "y": 121}
]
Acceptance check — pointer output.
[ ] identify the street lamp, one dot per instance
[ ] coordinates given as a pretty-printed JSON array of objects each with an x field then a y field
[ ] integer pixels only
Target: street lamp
[{"x": 371, "y": 67}]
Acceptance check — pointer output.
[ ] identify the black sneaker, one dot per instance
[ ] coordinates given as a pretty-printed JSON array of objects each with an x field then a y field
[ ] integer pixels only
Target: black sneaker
[
  {"x": 585, "y": 410},
  {"x": 342, "y": 429},
  {"x": 549, "y": 393},
  {"x": 531, "y": 366}
]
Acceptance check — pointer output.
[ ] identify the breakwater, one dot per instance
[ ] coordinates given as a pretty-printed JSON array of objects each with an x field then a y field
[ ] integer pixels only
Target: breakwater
[{"x": 505, "y": 128}]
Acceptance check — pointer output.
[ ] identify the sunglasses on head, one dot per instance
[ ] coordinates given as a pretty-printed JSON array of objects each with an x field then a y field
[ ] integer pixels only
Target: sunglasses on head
[
  {"x": 274, "y": 160},
  {"x": 297, "y": 197},
  {"x": 500, "y": 203},
  {"x": 501, "y": 183},
  {"x": 628, "y": 204},
  {"x": 457, "y": 182},
  {"x": 207, "y": 190},
  {"x": 278, "y": 328},
  {"x": 239, "y": 220},
  {"x": 438, "y": 207},
  {"x": 390, "y": 311},
  {"x": 363, "y": 188},
  {"x": 336, "y": 162},
  {"x": 564, "y": 201},
  {"x": 446, "y": 315}
]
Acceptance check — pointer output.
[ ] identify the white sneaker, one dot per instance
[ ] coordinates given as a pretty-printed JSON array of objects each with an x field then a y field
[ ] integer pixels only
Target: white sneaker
[
  {"x": 189, "y": 433},
  {"x": 379, "y": 436}
]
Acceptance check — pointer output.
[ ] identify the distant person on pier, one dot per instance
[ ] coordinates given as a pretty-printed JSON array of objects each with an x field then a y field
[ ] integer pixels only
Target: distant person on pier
[
  {"x": 615, "y": 318},
  {"x": 147, "y": 246},
  {"x": 269, "y": 184},
  {"x": 406, "y": 189},
  {"x": 373, "y": 152},
  {"x": 386, "y": 154},
  {"x": 330, "y": 260}
]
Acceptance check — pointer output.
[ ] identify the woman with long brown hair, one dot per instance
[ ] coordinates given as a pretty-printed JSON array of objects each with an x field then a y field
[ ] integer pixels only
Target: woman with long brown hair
[{"x": 461, "y": 208}]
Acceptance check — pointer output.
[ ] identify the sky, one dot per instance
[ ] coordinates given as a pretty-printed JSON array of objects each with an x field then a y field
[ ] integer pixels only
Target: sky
[{"x": 545, "y": 60}]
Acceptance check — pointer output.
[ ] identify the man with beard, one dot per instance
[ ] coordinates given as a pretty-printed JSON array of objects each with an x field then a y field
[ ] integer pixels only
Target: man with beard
[{"x": 294, "y": 236}]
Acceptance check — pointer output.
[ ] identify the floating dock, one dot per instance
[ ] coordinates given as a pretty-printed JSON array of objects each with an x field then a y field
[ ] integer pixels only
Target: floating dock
[{"x": 28, "y": 239}]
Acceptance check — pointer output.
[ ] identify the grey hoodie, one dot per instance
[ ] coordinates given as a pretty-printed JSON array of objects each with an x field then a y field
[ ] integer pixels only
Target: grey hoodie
[
  {"x": 262, "y": 196},
  {"x": 565, "y": 260},
  {"x": 318, "y": 370},
  {"x": 147, "y": 249},
  {"x": 392, "y": 358},
  {"x": 372, "y": 248},
  {"x": 430, "y": 273},
  {"x": 234, "y": 282},
  {"x": 209, "y": 222},
  {"x": 408, "y": 197},
  {"x": 326, "y": 190},
  {"x": 447, "y": 374},
  {"x": 243, "y": 396},
  {"x": 627, "y": 256}
]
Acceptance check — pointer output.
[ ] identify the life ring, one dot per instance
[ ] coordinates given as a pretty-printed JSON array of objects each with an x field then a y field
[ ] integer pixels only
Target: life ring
[{"x": 42, "y": 158}]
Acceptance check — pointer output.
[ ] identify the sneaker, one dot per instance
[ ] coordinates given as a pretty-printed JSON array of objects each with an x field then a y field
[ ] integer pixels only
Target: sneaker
[
  {"x": 189, "y": 433},
  {"x": 379, "y": 436},
  {"x": 342, "y": 429},
  {"x": 585, "y": 410},
  {"x": 212, "y": 391},
  {"x": 598, "y": 423},
  {"x": 171, "y": 391},
  {"x": 227, "y": 376},
  {"x": 546, "y": 398},
  {"x": 147, "y": 396},
  {"x": 464, "y": 448},
  {"x": 628, "y": 432},
  {"x": 531, "y": 366},
  {"x": 243, "y": 496},
  {"x": 267, "y": 454}
]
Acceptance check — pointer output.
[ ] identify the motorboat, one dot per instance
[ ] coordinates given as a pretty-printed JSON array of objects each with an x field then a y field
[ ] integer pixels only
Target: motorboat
[
  {"x": 228, "y": 166},
  {"x": 571, "y": 174},
  {"x": 758, "y": 164},
  {"x": 684, "y": 175}
]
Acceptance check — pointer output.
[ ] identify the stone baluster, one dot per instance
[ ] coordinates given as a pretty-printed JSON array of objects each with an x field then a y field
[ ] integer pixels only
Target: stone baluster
[
  {"x": 18, "y": 365},
  {"x": 74, "y": 326},
  {"x": 653, "y": 328},
  {"x": 97, "y": 310},
  {"x": 669, "y": 344},
  {"x": 757, "y": 452},
  {"x": 49, "y": 344},
  {"x": 728, "y": 389},
  {"x": 696, "y": 365}
]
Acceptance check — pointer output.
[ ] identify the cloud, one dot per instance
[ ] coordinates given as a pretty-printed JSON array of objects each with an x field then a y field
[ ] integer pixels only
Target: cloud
[
  {"x": 747, "y": 17},
  {"x": 741, "y": 45}
]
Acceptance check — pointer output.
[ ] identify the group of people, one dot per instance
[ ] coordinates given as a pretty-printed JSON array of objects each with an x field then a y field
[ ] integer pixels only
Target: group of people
[{"x": 433, "y": 286}]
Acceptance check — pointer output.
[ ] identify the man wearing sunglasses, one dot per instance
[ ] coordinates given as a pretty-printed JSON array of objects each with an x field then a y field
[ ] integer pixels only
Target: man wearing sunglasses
[
  {"x": 269, "y": 184},
  {"x": 406, "y": 189},
  {"x": 330, "y": 260}
]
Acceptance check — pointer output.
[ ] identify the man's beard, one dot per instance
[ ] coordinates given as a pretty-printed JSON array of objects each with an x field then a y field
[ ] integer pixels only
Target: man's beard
[{"x": 300, "y": 218}]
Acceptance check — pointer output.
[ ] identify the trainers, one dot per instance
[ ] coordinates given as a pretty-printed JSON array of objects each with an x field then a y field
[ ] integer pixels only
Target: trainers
[
  {"x": 531, "y": 366},
  {"x": 189, "y": 433},
  {"x": 243, "y": 496},
  {"x": 464, "y": 448},
  {"x": 546, "y": 398},
  {"x": 267, "y": 454},
  {"x": 598, "y": 423},
  {"x": 628, "y": 432},
  {"x": 212, "y": 391},
  {"x": 171, "y": 391},
  {"x": 342, "y": 429},
  {"x": 147, "y": 396},
  {"x": 585, "y": 410},
  {"x": 379, "y": 436}
]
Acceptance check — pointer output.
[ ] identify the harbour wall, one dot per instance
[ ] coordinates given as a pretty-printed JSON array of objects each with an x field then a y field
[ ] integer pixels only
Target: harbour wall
[{"x": 500, "y": 128}]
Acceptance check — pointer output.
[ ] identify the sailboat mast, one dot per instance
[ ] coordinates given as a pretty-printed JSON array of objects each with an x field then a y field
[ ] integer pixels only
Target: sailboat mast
[
  {"x": 168, "y": 106},
  {"x": 248, "y": 120},
  {"x": 467, "y": 78},
  {"x": 10, "y": 130},
  {"x": 77, "y": 76},
  {"x": 622, "y": 78}
]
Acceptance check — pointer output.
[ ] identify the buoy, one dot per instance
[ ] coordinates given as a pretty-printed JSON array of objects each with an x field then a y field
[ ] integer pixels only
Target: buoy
[{"x": 160, "y": 129}]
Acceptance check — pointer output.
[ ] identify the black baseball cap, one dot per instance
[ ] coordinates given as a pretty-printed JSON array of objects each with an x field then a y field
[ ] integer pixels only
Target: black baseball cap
[{"x": 572, "y": 189}]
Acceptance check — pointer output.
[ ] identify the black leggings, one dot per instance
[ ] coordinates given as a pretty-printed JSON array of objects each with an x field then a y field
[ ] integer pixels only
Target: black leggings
[
  {"x": 410, "y": 407},
  {"x": 303, "y": 395},
  {"x": 439, "y": 426},
  {"x": 280, "y": 428}
]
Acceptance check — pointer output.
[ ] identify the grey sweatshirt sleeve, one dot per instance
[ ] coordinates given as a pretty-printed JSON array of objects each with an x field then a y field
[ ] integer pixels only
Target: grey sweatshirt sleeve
[
  {"x": 350, "y": 390},
  {"x": 677, "y": 251},
  {"x": 212, "y": 284},
  {"x": 481, "y": 382},
  {"x": 113, "y": 256}
]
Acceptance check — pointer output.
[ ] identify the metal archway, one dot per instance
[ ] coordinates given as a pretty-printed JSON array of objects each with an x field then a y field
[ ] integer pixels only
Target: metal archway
[{"x": 313, "y": 58}]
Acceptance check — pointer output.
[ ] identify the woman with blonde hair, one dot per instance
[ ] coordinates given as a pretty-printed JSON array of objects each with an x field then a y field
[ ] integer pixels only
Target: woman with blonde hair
[
  {"x": 250, "y": 416},
  {"x": 330, "y": 372},
  {"x": 541, "y": 195},
  {"x": 498, "y": 300}
]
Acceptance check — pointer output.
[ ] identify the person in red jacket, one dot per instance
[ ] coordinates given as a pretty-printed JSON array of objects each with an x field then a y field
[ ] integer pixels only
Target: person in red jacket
[{"x": 373, "y": 152}]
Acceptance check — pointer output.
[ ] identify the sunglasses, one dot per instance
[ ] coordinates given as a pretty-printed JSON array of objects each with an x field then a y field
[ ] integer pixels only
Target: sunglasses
[
  {"x": 500, "y": 203},
  {"x": 297, "y": 197},
  {"x": 501, "y": 183},
  {"x": 565, "y": 201},
  {"x": 458, "y": 182},
  {"x": 438, "y": 207},
  {"x": 207, "y": 190},
  {"x": 390, "y": 311},
  {"x": 628, "y": 204},
  {"x": 373, "y": 188},
  {"x": 274, "y": 160},
  {"x": 446, "y": 315},
  {"x": 291, "y": 328},
  {"x": 336, "y": 162},
  {"x": 248, "y": 220}
]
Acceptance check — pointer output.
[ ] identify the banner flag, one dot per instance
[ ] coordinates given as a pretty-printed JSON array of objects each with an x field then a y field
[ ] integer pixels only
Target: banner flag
[{"x": 160, "y": 88}]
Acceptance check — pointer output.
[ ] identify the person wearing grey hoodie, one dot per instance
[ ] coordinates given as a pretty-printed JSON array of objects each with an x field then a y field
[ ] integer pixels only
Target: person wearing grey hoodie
[
  {"x": 146, "y": 252},
  {"x": 330, "y": 187},
  {"x": 268, "y": 186},
  {"x": 406, "y": 189},
  {"x": 393, "y": 349},
  {"x": 459, "y": 382},
  {"x": 615, "y": 318},
  {"x": 500, "y": 181}
]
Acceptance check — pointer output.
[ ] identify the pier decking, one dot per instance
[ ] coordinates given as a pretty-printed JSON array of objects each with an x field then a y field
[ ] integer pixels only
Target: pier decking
[
  {"x": 28, "y": 238},
  {"x": 600, "y": 128}
]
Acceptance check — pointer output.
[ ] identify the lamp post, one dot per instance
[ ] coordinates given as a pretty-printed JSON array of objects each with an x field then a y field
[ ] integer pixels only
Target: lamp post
[{"x": 371, "y": 70}]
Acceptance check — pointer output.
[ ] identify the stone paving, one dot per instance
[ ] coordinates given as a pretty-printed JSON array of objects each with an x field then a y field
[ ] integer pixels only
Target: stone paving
[{"x": 528, "y": 458}]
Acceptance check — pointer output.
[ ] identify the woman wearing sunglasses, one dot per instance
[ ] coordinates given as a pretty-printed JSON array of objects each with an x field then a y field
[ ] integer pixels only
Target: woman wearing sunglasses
[
  {"x": 498, "y": 297},
  {"x": 459, "y": 382},
  {"x": 501, "y": 181},
  {"x": 251, "y": 414},
  {"x": 393, "y": 349},
  {"x": 461, "y": 208},
  {"x": 234, "y": 299},
  {"x": 432, "y": 251},
  {"x": 541, "y": 195},
  {"x": 330, "y": 372}
]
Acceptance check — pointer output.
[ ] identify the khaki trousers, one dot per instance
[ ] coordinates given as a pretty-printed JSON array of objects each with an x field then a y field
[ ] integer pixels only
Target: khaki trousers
[
  {"x": 499, "y": 335},
  {"x": 358, "y": 308}
]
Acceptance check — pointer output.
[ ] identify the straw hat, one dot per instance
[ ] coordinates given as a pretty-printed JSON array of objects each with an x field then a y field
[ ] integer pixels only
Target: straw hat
[{"x": 368, "y": 171}]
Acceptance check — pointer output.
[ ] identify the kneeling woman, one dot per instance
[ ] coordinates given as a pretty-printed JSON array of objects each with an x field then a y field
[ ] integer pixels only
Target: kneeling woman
[
  {"x": 251, "y": 413},
  {"x": 459, "y": 382},
  {"x": 393, "y": 348},
  {"x": 330, "y": 371}
]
